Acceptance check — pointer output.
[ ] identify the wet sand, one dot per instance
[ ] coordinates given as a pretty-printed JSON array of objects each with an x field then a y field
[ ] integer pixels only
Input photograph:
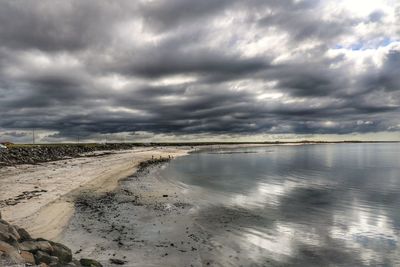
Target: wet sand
[{"x": 144, "y": 222}]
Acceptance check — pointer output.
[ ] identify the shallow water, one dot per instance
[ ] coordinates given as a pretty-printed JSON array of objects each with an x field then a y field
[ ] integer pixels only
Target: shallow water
[{"x": 309, "y": 205}]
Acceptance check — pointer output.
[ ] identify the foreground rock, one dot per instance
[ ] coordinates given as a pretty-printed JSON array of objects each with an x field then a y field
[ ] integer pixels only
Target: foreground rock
[{"x": 18, "y": 248}]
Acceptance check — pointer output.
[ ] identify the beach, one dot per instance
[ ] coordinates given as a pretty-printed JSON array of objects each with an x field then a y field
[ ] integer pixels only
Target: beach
[{"x": 40, "y": 197}]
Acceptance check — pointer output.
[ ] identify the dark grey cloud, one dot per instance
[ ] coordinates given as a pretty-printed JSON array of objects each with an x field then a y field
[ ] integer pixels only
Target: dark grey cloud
[
  {"x": 387, "y": 77},
  {"x": 84, "y": 68},
  {"x": 163, "y": 15},
  {"x": 55, "y": 25},
  {"x": 204, "y": 63}
]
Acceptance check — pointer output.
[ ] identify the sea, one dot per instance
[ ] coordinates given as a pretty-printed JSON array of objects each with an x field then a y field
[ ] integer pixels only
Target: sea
[{"x": 295, "y": 205}]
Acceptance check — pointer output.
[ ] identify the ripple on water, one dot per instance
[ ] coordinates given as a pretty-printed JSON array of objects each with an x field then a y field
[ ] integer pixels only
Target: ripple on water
[{"x": 298, "y": 205}]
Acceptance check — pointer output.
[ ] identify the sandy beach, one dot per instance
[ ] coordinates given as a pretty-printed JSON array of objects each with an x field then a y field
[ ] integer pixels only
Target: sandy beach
[{"x": 40, "y": 198}]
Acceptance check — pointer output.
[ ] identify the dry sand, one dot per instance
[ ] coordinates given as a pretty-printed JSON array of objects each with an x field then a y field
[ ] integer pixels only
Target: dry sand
[{"x": 40, "y": 198}]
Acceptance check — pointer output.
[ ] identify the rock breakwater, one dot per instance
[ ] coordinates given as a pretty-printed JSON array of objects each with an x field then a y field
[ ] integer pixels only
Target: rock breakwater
[
  {"x": 43, "y": 153},
  {"x": 18, "y": 248}
]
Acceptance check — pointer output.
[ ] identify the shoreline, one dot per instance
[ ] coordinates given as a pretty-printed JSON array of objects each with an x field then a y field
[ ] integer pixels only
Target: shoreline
[
  {"x": 146, "y": 221},
  {"x": 40, "y": 198},
  {"x": 45, "y": 200}
]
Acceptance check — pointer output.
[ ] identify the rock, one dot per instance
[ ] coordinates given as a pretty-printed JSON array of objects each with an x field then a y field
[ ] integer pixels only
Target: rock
[
  {"x": 71, "y": 264},
  {"x": 76, "y": 262},
  {"x": 28, "y": 257},
  {"x": 62, "y": 252},
  {"x": 42, "y": 252},
  {"x": 35, "y": 245},
  {"x": 90, "y": 263},
  {"x": 43, "y": 257},
  {"x": 117, "y": 261},
  {"x": 7, "y": 237},
  {"x": 8, "y": 233},
  {"x": 31, "y": 155},
  {"x": 57, "y": 264},
  {"x": 5, "y": 261},
  {"x": 11, "y": 252},
  {"x": 24, "y": 235},
  {"x": 14, "y": 232}
]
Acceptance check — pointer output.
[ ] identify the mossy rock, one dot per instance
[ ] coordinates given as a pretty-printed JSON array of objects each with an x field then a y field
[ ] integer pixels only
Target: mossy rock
[{"x": 63, "y": 253}]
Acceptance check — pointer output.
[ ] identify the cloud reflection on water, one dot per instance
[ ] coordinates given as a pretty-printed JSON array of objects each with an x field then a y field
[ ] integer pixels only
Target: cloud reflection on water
[{"x": 299, "y": 206}]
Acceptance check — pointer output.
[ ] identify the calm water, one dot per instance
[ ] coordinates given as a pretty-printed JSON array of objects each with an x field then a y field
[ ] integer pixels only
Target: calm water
[{"x": 311, "y": 205}]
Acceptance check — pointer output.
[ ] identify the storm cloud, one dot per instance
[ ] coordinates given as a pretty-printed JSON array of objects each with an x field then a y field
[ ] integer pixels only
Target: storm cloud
[{"x": 199, "y": 68}]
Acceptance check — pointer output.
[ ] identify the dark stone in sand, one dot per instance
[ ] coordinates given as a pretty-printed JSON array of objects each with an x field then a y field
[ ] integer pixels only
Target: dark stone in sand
[
  {"x": 90, "y": 263},
  {"x": 117, "y": 261}
]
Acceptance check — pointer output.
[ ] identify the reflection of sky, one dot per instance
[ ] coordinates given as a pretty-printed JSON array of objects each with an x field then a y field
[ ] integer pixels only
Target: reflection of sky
[
  {"x": 368, "y": 230},
  {"x": 262, "y": 194},
  {"x": 283, "y": 243},
  {"x": 323, "y": 204}
]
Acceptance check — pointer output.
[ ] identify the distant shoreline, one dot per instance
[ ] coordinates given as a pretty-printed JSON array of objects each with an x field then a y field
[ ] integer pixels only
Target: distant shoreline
[
  {"x": 17, "y": 154},
  {"x": 126, "y": 145}
]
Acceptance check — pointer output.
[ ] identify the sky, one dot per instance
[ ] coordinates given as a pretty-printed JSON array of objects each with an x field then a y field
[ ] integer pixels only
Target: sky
[{"x": 207, "y": 70}]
